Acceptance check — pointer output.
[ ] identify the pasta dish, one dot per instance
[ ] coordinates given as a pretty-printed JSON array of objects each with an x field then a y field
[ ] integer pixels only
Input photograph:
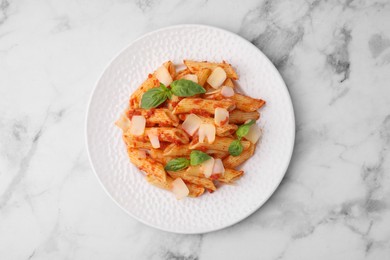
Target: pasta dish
[{"x": 189, "y": 130}]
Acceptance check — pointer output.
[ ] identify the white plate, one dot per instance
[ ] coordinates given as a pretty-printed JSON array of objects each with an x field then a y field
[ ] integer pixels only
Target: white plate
[{"x": 124, "y": 182}]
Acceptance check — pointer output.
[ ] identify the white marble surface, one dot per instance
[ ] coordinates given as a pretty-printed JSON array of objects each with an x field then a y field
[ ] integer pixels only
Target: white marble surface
[{"x": 334, "y": 202}]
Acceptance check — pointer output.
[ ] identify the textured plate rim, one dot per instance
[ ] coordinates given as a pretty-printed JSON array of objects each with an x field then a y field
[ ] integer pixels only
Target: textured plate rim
[{"x": 249, "y": 45}]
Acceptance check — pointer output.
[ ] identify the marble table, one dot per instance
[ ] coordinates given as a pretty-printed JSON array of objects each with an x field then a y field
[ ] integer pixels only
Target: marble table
[{"x": 334, "y": 202}]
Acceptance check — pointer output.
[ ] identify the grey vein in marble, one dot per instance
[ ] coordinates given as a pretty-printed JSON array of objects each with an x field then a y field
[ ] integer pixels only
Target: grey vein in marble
[{"x": 3, "y": 11}]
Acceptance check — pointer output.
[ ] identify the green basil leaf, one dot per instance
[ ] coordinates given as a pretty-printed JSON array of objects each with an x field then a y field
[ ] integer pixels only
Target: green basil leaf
[
  {"x": 197, "y": 157},
  {"x": 244, "y": 129},
  {"x": 235, "y": 148},
  {"x": 177, "y": 164},
  {"x": 186, "y": 88},
  {"x": 155, "y": 97},
  {"x": 166, "y": 90}
]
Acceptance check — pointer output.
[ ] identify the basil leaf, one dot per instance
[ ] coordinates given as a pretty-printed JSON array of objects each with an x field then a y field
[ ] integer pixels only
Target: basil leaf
[
  {"x": 177, "y": 164},
  {"x": 197, "y": 157},
  {"x": 186, "y": 88},
  {"x": 244, "y": 129},
  {"x": 155, "y": 96},
  {"x": 167, "y": 90},
  {"x": 235, "y": 148}
]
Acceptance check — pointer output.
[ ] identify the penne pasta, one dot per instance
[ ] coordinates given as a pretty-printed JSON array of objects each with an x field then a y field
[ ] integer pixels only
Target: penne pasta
[
  {"x": 224, "y": 130},
  {"x": 228, "y": 82},
  {"x": 149, "y": 83},
  {"x": 242, "y": 102},
  {"x": 218, "y": 154},
  {"x": 195, "y": 171},
  {"x": 166, "y": 185},
  {"x": 148, "y": 165},
  {"x": 247, "y": 104},
  {"x": 133, "y": 142},
  {"x": 220, "y": 143},
  {"x": 194, "y": 66},
  {"x": 165, "y": 134},
  {"x": 203, "y": 74},
  {"x": 239, "y": 117},
  {"x": 156, "y": 116},
  {"x": 230, "y": 176},
  {"x": 182, "y": 73},
  {"x": 171, "y": 68},
  {"x": 234, "y": 161},
  {"x": 204, "y": 182},
  {"x": 172, "y": 103},
  {"x": 202, "y": 106},
  {"x": 174, "y": 150},
  {"x": 209, "y": 89},
  {"x": 158, "y": 155},
  {"x": 162, "y": 137},
  {"x": 194, "y": 190}
]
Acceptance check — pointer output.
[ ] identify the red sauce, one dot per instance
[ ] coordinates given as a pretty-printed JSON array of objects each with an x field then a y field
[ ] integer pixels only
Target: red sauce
[
  {"x": 177, "y": 142},
  {"x": 141, "y": 138},
  {"x": 200, "y": 112},
  {"x": 133, "y": 112},
  {"x": 132, "y": 102},
  {"x": 225, "y": 121},
  {"x": 150, "y": 76},
  {"x": 163, "y": 145},
  {"x": 166, "y": 123},
  {"x": 202, "y": 148},
  {"x": 215, "y": 176},
  {"x": 180, "y": 135},
  {"x": 174, "y": 103},
  {"x": 197, "y": 101},
  {"x": 182, "y": 117},
  {"x": 150, "y": 112},
  {"x": 170, "y": 139},
  {"x": 164, "y": 104}
]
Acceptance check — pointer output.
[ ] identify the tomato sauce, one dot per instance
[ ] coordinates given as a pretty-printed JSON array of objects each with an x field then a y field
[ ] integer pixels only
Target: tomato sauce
[
  {"x": 150, "y": 112},
  {"x": 174, "y": 103},
  {"x": 132, "y": 102},
  {"x": 225, "y": 121},
  {"x": 215, "y": 176},
  {"x": 197, "y": 101},
  {"x": 200, "y": 112},
  {"x": 133, "y": 112}
]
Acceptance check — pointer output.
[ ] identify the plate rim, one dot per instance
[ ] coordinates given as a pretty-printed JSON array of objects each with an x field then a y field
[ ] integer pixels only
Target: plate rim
[{"x": 250, "y": 45}]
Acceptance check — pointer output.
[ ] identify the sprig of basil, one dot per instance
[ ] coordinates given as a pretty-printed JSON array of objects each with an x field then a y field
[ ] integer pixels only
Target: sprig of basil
[
  {"x": 166, "y": 90},
  {"x": 181, "y": 88},
  {"x": 244, "y": 129},
  {"x": 186, "y": 88},
  {"x": 177, "y": 164},
  {"x": 155, "y": 96},
  {"x": 197, "y": 157},
  {"x": 235, "y": 148}
]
